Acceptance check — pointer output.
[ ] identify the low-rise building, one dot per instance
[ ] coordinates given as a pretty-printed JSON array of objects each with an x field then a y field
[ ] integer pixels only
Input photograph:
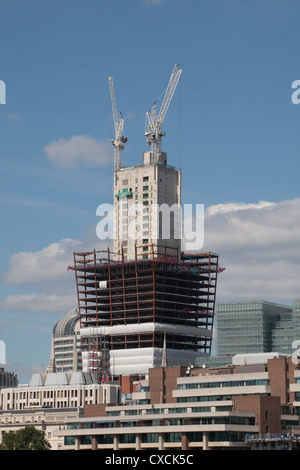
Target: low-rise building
[
  {"x": 43, "y": 419},
  {"x": 50, "y": 400},
  {"x": 58, "y": 390},
  {"x": 230, "y": 407},
  {"x": 187, "y": 409}
]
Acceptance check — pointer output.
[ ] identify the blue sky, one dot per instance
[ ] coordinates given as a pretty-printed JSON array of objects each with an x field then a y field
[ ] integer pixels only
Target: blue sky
[{"x": 231, "y": 128}]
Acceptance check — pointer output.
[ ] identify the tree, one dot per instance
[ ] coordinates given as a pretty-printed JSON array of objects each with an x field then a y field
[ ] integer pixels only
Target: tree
[{"x": 28, "y": 438}]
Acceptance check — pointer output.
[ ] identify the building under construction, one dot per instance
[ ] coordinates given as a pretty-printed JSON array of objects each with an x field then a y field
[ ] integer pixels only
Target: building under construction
[
  {"x": 129, "y": 308},
  {"x": 145, "y": 300}
]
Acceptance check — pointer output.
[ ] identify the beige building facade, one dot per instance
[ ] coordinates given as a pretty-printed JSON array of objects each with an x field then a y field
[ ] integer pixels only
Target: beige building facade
[
  {"x": 58, "y": 391},
  {"x": 141, "y": 194}
]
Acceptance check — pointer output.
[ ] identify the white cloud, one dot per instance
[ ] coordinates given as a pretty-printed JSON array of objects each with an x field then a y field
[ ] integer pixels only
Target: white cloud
[
  {"x": 40, "y": 303},
  {"x": 79, "y": 149},
  {"x": 259, "y": 245},
  {"x": 230, "y": 207},
  {"x": 48, "y": 264},
  {"x": 46, "y": 271}
]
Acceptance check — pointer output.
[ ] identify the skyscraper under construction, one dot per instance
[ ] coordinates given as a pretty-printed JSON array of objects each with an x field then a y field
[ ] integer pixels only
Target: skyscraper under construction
[{"x": 146, "y": 302}]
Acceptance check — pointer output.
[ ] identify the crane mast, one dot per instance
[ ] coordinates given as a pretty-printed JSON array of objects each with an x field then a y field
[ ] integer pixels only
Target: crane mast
[
  {"x": 154, "y": 121},
  {"x": 119, "y": 140}
]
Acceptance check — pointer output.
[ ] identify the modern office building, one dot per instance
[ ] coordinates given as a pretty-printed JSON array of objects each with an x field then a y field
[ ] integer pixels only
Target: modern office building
[
  {"x": 296, "y": 322},
  {"x": 65, "y": 355},
  {"x": 208, "y": 409},
  {"x": 253, "y": 327}
]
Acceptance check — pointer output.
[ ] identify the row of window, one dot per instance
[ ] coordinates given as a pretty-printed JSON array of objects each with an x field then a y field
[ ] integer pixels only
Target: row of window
[
  {"x": 219, "y": 436},
  {"x": 194, "y": 409},
  {"x": 232, "y": 383},
  {"x": 48, "y": 394}
]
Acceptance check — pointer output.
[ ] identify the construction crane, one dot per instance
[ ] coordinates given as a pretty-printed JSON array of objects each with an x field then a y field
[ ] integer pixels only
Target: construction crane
[
  {"x": 119, "y": 140},
  {"x": 153, "y": 131}
]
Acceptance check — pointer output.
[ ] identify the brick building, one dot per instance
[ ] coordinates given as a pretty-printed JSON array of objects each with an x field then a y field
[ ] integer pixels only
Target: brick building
[{"x": 188, "y": 409}]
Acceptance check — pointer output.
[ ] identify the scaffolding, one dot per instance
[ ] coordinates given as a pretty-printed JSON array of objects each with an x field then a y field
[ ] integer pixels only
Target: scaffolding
[
  {"x": 135, "y": 304},
  {"x": 273, "y": 441}
]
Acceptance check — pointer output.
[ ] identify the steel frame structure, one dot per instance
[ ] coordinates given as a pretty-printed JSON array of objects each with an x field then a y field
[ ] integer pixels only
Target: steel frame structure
[{"x": 178, "y": 292}]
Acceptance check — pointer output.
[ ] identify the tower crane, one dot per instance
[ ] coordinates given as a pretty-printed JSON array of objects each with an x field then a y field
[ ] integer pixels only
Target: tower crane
[
  {"x": 153, "y": 131},
  {"x": 119, "y": 140}
]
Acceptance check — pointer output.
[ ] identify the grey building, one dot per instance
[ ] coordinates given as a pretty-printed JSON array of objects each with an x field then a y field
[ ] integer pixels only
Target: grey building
[
  {"x": 254, "y": 327},
  {"x": 66, "y": 345},
  {"x": 7, "y": 379}
]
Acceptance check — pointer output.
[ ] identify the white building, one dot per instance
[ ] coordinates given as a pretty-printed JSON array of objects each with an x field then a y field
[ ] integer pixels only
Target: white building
[
  {"x": 65, "y": 353},
  {"x": 58, "y": 390},
  {"x": 47, "y": 420},
  {"x": 49, "y": 400}
]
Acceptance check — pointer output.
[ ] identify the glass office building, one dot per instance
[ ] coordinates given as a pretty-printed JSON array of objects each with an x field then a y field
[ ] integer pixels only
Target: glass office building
[{"x": 254, "y": 327}]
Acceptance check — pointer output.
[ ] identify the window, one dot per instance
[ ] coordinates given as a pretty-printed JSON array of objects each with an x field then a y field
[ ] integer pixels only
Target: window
[
  {"x": 195, "y": 436},
  {"x": 202, "y": 409},
  {"x": 106, "y": 439},
  {"x": 127, "y": 438},
  {"x": 173, "y": 437},
  {"x": 133, "y": 412},
  {"x": 69, "y": 440},
  {"x": 153, "y": 411},
  {"x": 150, "y": 437},
  {"x": 177, "y": 410}
]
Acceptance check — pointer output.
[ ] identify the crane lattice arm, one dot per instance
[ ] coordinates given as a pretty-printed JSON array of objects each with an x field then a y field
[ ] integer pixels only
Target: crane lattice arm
[
  {"x": 119, "y": 140},
  {"x": 169, "y": 93},
  {"x": 154, "y": 131}
]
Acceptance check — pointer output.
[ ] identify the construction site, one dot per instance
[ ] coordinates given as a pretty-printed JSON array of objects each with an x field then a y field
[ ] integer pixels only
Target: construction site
[
  {"x": 128, "y": 309},
  {"x": 146, "y": 303}
]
